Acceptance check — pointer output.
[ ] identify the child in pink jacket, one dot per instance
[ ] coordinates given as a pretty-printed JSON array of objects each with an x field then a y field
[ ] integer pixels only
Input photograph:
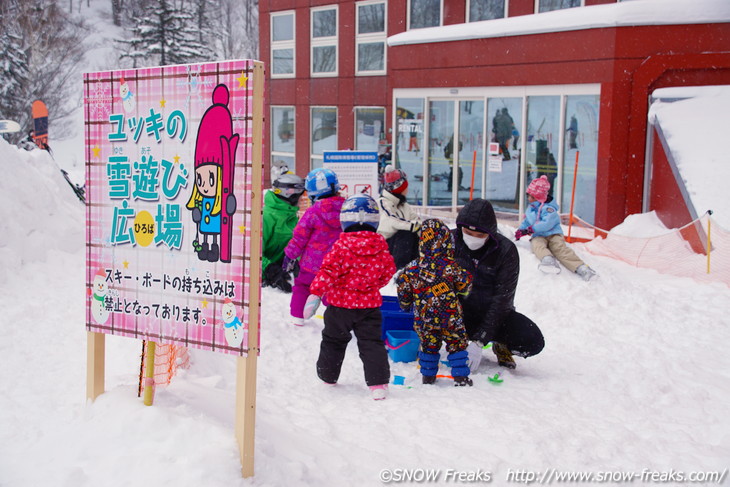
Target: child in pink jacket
[
  {"x": 350, "y": 279},
  {"x": 313, "y": 236}
]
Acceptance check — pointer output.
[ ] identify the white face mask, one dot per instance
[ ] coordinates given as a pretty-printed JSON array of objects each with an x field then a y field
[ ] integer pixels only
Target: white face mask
[{"x": 474, "y": 243}]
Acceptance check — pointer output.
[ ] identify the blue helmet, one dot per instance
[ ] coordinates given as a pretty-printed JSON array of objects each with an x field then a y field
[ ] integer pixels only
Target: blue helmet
[
  {"x": 359, "y": 209},
  {"x": 321, "y": 182}
]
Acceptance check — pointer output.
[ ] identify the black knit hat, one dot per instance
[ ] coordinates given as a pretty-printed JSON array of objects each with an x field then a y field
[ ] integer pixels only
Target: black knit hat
[{"x": 478, "y": 215}]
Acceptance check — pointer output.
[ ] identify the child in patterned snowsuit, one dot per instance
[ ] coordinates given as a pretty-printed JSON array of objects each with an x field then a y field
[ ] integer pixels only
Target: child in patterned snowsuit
[{"x": 430, "y": 286}]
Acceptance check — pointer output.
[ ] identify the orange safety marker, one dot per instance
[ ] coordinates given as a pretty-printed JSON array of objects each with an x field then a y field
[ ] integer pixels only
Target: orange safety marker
[{"x": 572, "y": 194}]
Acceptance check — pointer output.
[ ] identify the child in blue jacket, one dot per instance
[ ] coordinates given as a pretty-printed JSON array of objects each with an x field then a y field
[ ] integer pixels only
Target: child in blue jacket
[{"x": 542, "y": 223}]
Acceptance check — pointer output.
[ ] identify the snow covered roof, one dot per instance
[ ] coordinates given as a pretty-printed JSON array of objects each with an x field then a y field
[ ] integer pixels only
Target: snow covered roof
[
  {"x": 623, "y": 14},
  {"x": 695, "y": 123}
]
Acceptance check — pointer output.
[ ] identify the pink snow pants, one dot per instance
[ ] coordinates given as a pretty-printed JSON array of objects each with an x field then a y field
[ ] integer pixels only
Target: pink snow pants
[{"x": 300, "y": 293}]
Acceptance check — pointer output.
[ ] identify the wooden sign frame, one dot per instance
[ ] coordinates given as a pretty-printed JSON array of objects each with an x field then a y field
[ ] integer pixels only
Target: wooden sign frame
[{"x": 246, "y": 366}]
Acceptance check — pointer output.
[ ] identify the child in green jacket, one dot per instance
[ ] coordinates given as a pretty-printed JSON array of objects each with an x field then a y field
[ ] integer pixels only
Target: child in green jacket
[{"x": 281, "y": 205}]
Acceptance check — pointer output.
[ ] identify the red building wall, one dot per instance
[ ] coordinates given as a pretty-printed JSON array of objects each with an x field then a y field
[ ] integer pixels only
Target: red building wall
[{"x": 628, "y": 63}]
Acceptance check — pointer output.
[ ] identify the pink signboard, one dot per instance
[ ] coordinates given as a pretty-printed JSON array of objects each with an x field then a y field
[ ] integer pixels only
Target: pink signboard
[{"x": 169, "y": 164}]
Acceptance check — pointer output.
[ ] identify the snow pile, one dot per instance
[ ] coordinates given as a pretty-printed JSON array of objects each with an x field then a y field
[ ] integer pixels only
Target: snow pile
[
  {"x": 645, "y": 225},
  {"x": 40, "y": 210},
  {"x": 695, "y": 123}
]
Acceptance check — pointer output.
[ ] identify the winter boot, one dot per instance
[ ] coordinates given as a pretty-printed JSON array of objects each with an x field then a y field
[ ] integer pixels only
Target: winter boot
[
  {"x": 462, "y": 381},
  {"x": 459, "y": 367},
  {"x": 429, "y": 366},
  {"x": 549, "y": 265},
  {"x": 297, "y": 321},
  {"x": 585, "y": 272},
  {"x": 379, "y": 392},
  {"x": 428, "y": 379},
  {"x": 504, "y": 356}
]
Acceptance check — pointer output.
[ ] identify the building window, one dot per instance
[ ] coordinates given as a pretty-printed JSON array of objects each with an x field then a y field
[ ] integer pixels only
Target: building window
[
  {"x": 549, "y": 5},
  {"x": 282, "y": 45},
  {"x": 324, "y": 41},
  {"x": 282, "y": 137},
  {"x": 370, "y": 38},
  {"x": 485, "y": 10},
  {"x": 324, "y": 133},
  {"x": 369, "y": 128},
  {"x": 424, "y": 13}
]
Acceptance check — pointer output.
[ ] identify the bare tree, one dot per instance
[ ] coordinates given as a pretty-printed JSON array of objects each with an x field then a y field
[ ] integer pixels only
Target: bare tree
[
  {"x": 47, "y": 45},
  {"x": 234, "y": 28}
]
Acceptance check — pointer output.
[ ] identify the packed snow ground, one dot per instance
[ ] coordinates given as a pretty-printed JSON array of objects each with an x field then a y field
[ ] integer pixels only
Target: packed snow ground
[{"x": 634, "y": 376}]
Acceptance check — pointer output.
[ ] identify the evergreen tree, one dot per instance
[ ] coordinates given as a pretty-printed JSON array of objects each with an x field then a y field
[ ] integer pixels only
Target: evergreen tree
[{"x": 13, "y": 69}]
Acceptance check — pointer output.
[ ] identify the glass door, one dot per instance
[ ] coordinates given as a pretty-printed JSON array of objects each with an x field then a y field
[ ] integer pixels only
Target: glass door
[
  {"x": 407, "y": 147},
  {"x": 581, "y": 150},
  {"x": 502, "y": 178},
  {"x": 470, "y": 153},
  {"x": 543, "y": 140},
  {"x": 440, "y": 149}
]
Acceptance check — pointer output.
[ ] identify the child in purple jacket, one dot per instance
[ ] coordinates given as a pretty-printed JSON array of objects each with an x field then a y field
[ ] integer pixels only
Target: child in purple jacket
[{"x": 313, "y": 237}]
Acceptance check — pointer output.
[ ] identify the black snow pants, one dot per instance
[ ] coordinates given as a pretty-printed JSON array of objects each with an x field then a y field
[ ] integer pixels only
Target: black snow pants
[{"x": 366, "y": 324}]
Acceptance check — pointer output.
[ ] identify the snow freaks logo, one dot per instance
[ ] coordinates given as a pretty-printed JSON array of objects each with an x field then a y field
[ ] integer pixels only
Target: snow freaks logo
[{"x": 421, "y": 475}]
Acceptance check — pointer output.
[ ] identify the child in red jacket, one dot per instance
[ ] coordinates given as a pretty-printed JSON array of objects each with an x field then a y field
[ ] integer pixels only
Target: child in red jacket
[{"x": 350, "y": 278}]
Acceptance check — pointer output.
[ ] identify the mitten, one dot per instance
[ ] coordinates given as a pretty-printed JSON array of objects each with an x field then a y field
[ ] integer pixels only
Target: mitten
[
  {"x": 415, "y": 226},
  {"x": 519, "y": 234},
  {"x": 474, "y": 349},
  {"x": 528, "y": 230},
  {"x": 288, "y": 264},
  {"x": 310, "y": 307}
]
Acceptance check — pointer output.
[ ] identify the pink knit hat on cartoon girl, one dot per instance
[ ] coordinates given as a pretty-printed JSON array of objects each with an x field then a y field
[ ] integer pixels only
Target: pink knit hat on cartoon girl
[
  {"x": 539, "y": 188},
  {"x": 215, "y": 133}
]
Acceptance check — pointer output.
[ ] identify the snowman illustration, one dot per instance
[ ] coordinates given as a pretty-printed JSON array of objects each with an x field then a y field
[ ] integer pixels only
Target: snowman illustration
[
  {"x": 127, "y": 96},
  {"x": 99, "y": 290},
  {"x": 234, "y": 327}
]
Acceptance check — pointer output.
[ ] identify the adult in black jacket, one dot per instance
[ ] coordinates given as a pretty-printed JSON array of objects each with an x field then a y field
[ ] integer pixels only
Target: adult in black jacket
[{"x": 489, "y": 311}]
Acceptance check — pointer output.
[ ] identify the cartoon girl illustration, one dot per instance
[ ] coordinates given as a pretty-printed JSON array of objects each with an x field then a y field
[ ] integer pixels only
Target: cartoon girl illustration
[{"x": 212, "y": 201}]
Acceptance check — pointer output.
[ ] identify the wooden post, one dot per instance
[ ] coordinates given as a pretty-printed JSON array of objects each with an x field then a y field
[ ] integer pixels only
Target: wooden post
[
  {"x": 246, "y": 410},
  {"x": 94, "y": 364},
  {"x": 149, "y": 374},
  {"x": 246, "y": 366}
]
